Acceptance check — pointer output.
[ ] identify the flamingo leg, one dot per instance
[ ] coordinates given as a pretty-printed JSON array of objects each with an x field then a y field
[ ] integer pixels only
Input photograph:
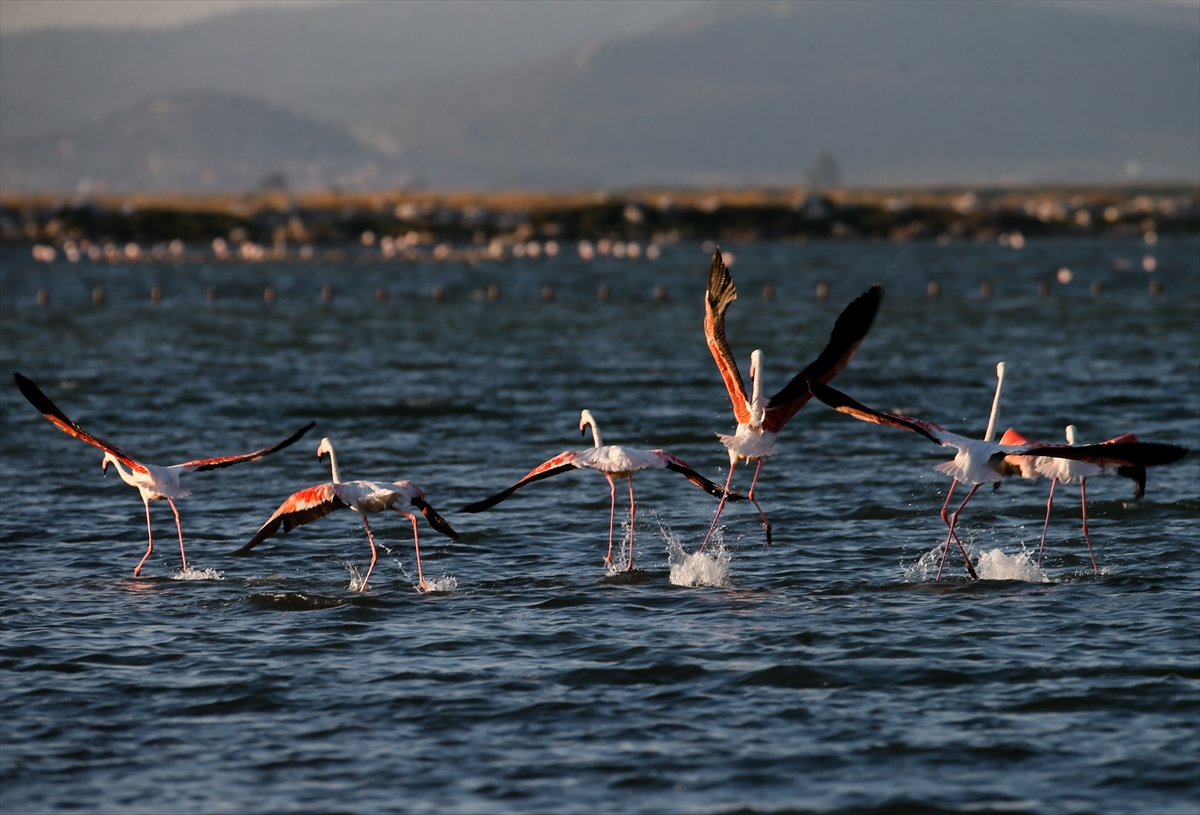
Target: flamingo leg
[
  {"x": 946, "y": 521},
  {"x": 629, "y": 568},
  {"x": 371, "y": 538},
  {"x": 179, "y": 529},
  {"x": 1086, "y": 537},
  {"x": 720, "y": 506},
  {"x": 1046, "y": 525},
  {"x": 416, "y": 547},
  {"x": 612, "y": 512},
  {"x": 961, "y": 548},
  {"x": 761, "y": 514},
  {"x": 150, "y": 536}
]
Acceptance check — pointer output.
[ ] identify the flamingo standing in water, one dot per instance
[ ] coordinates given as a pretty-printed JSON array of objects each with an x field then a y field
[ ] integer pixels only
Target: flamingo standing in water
[
  {"x": 759, "y": 423},
  {"x": 155, "y": 483},
  {"x": 365, "y": 497},
  {"x": 982, "y": 462},
  {"x": 614, "y": 462},
  {"x": 1066, "y": 471}
]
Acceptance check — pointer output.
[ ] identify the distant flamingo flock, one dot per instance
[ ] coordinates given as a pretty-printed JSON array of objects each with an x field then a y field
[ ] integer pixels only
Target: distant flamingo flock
[{"x": 759, "y": 422}]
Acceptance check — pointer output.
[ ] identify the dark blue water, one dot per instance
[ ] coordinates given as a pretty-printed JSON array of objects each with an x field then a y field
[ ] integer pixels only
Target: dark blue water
[{"x": 826, "y": 673}]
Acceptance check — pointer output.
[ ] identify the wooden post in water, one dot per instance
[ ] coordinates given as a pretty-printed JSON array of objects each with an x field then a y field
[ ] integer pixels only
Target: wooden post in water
[
  {"x": 212, "y": 294},
  {"x": 1043, "y": 289},
  {"x": 547, "y": 293},
  {"x": 932, "y": 290},
  {"x": 1155, "y": 288},
  {"x": 156, "y": 295},
  {"x": 381, "y": 294},
  {"x": 986, "y": 289},
  {"x": 43, "y": 296},
  {"x": 98, "y": 296},
  {"x": 768, "y": 292},
  {"x": 660, "y": 292},
  {"x": 269, "y": 295},
  {"x": 822, "y": 290},
  {"x": 327, "y": 294},
  {"x": 439, "y": 294},
  {"x": 605, "y": 293},
  {"x": 493, "y": 293}
]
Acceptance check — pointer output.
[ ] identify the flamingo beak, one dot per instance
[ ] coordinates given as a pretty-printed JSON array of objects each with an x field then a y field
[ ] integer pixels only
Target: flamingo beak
[{"x": 104, "y": 467}]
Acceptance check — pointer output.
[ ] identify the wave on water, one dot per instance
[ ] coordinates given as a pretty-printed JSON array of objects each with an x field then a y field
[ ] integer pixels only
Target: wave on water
[{"x": 199, "y": 574}]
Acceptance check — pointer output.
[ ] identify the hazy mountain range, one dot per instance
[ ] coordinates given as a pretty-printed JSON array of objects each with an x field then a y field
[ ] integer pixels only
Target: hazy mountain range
[{"x": 510, "y": 94}]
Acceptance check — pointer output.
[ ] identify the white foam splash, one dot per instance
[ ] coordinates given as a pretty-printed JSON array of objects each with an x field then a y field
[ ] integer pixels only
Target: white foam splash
[
  {"x": 995, "y": 565},
  {"x": 445, "y": 583},
  {"x": 356, "y": 581},
  {"x": 709, "y": 568},
  {"x": 199, "y": 574},
  {"x": 925, "y": 568}
]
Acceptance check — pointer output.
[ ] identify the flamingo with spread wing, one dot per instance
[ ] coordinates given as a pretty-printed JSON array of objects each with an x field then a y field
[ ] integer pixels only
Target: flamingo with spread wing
[
  {"x": 758, "y": 423},
  {"x": 365, "y": 497},
  {"x": 153, "y": 482},
  {"x": 983, "y": 462},
  {"x": 614, "y": 461}
]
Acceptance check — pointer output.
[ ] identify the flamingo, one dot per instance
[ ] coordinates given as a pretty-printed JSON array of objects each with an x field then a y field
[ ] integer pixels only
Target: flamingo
[
  {"x": 758, "y": 424},
  {"x": 982, "y": 462},
  {"x": 365, "y": 497},
  {"x": 613, "y": 461},
  {"x": 1067, "y": 471},
  {"x": 155, "y": 483}
]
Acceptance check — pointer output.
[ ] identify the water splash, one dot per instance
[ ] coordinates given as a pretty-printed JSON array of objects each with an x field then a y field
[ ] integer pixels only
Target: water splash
[
  {"x": 995, "y": 565},
  {"x": 445, "y": 584},
  {"x": 708, "y": 568},
  {"x": 356, "y": 580},
  {"x": 199, "y": 574}
]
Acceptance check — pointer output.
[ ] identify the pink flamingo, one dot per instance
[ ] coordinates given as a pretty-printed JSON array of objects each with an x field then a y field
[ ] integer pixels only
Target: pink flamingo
[
  {"x": 365, "y": 497},
  {"x": 155, "y": 483},
  {"x": 758, "y": 423},
  {"x": 613, "y": 461}
]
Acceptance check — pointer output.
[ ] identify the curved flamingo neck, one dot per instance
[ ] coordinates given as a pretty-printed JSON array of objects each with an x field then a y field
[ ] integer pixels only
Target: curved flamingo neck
[
  {"x": 1071, "y": 434},
  {"x": 588, "y": 419},
  {"x": 991, "y": 428},
  {"x": 126, "y": 473},
  {"x": 327, "y": 447}
]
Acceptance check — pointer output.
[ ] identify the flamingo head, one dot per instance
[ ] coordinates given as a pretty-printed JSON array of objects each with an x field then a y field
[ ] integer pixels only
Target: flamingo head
[
  {"x": 585, "y": 420},
  {"x": 109, "y": 458},
  {"x": 326, "y": 446},
  {"x": 755, "y": 363}
]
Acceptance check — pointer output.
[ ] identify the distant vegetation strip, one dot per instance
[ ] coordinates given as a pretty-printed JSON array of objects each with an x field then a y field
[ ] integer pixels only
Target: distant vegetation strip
[{"x": 279, "y": 224}]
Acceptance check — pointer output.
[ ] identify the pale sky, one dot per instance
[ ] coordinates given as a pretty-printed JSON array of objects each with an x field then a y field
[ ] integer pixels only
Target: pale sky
[{"x": 22, "y": 15}]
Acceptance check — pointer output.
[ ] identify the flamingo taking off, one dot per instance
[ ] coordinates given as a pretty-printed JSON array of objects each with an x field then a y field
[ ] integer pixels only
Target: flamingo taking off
[
  {"x": 155, "y": 483},
  {"x": 982, "y": 462},
  {"x": 759, "y": 423},
  {"x": 1066, "y": 471},
  {"x": 365, "y": 497},
  {"x": 613, "y": 461}
]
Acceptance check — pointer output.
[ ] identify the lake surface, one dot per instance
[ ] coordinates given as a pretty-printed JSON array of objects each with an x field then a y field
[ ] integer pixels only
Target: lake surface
[{"x": 825, "y": 673}]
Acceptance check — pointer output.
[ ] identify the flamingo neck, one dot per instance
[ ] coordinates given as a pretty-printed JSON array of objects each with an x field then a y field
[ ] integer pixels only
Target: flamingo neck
[
  {"x": 591, "y": 421},
  {"x": 126, "y": 473},
  {"x": 1071, "y": 434},
  {"x": 756, "y": 405},
  {"x": 332, "y": 463},
  {"x": 991, "y": 428}
]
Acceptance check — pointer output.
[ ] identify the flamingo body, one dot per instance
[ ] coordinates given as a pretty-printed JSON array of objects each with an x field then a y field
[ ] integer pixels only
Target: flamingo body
[{"x": 153, "y": 482}]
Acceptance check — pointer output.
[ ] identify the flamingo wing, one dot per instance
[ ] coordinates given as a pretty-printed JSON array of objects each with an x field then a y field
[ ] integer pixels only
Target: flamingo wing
[
  {"x": 51, "y": 411},
  {"x": 844, "y": 404},
  {"x": 849, "y": 330},
  {"x": 201, "y": 464},
  {"x": 722, "y": 292},
  {"x": 1111, "y": 453},
  {"x": 680, "y": 466},
  {"x": 561, "y": 463},
  {"x": 300, "y": 508},
  {"x": 435, "y": 520}
]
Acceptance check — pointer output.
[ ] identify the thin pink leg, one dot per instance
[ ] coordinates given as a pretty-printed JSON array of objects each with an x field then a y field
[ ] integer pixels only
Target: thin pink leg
[
  {"x": 946, "y": 521},
  {"x": 629, "y": 568},
  {"x": 416, "y": 547},
  {"x": 1086, "y": 537},
  {"x": 720, "y": 506},
  {"x": 961, "y": 548},
  {"x": 612, "y": 513},
  {"x": 761, "y": 514},
  {"x": 371, "y": 538},
  {"x": 150, "y": 535},
  {"x": 179, "y": 529},
  {"x": 1046, "y": 525}
]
